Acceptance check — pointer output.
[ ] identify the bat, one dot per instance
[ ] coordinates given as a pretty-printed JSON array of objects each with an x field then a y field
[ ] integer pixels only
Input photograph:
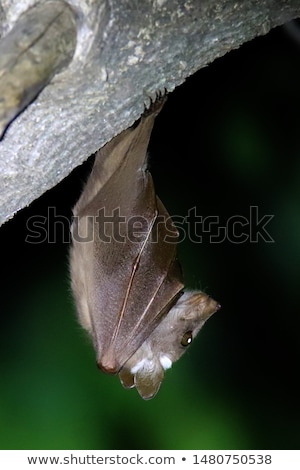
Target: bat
[{"x": 125, "y": 276}]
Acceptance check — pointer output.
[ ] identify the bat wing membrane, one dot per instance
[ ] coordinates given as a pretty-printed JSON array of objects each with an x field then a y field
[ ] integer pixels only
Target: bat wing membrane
[
  {"x": 134, "y": 277},
  {"x": 143, "y": 279}
]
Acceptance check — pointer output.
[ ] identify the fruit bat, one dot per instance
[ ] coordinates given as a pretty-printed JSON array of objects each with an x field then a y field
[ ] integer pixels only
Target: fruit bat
[{"x": 125, "y": 276}]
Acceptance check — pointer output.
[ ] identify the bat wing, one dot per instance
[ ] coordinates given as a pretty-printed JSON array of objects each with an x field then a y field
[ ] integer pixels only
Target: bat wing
[
  {"x": 131, "y": 277},
  {"x": 137, "y": 280}
]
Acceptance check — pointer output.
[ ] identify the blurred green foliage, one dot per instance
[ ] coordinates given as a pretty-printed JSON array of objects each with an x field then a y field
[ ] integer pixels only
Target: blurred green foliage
[{"x": 226, "y": 140}]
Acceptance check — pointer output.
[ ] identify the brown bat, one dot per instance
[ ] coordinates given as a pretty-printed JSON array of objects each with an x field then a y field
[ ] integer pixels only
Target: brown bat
[{"x": 126, "y": 279}]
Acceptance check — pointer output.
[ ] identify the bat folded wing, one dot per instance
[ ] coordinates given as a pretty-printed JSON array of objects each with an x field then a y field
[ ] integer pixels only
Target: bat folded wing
[{"x": 143, "y": 286}]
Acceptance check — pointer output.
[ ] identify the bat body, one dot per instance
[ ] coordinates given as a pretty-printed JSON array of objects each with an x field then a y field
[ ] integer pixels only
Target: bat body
[{"x": 126, "y": 278}]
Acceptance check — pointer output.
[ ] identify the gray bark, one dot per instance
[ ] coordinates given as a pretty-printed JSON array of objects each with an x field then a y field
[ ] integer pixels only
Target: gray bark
[{"x": 126, "y": 51}]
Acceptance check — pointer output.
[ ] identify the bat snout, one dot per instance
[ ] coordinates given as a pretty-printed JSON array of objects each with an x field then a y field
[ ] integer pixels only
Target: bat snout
[{"x": 210, "y": 307}]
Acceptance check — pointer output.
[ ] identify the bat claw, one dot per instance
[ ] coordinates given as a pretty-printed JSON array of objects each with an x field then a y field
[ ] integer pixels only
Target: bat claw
[{"x": 156, "y": 104}]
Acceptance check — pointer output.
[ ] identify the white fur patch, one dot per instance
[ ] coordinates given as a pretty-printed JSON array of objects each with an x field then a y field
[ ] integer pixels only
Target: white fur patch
[
  {"x": 138, "y": 366},
  {"x": 165, "y": 362}
]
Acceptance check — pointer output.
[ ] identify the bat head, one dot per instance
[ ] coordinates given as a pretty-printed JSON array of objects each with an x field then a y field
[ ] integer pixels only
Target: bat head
[{"x": 170, "y": 339}]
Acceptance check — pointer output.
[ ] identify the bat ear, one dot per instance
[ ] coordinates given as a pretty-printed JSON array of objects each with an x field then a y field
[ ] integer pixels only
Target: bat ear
[
  {"x": 126, "y": 378},
  {"x": 146, "y": 379}
]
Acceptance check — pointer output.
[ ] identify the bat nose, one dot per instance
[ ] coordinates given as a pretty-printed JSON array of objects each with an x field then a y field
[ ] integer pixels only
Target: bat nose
[{"x": 210, "y": 308}]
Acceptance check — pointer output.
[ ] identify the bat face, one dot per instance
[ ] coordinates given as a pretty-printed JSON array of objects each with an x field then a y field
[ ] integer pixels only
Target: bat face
[
  {"x": 171, "y": 338},
  {"x": 126, "y": 279}
]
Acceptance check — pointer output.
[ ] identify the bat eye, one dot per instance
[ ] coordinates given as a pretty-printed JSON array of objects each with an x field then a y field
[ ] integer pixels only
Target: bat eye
[{"x": 187, "y": 339}]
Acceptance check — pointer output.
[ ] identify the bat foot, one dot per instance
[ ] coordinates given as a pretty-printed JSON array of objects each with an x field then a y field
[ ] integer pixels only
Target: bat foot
[{"x": 156, "y": 104}]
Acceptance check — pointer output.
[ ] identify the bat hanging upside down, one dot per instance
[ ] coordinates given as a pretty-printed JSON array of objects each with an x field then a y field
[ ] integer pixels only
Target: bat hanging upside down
[{"x": 126, "y": 279}]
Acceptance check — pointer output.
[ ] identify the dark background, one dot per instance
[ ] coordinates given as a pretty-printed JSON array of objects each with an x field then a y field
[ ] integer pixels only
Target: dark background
[{"x": 226, "y": 140}]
